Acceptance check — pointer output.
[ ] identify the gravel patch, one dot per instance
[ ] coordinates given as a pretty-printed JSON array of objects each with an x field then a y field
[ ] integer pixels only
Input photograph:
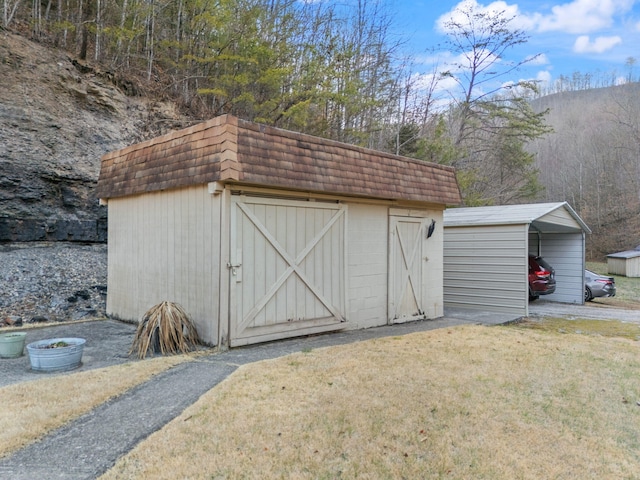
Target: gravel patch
[{"x": 52, "y": 282}]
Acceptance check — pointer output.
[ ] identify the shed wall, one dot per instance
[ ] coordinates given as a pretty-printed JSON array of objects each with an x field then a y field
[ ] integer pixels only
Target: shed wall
[
  {"x": 368, "y": 264},
  {"x": 617, "y": 266},
  {"x": 486, "y": 268},
  {"x": 166, "y": 246},
  {"x": 367, "y": 248},
  {"x": 565, "y": 253},
  {"x": 173, "y": 245},
  {"x": 633, "y": 267},
  {"x": 415, "y": 265},
  {"x": 626, "y": 267}
]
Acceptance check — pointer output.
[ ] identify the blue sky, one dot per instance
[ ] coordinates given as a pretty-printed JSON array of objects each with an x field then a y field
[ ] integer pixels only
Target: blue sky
[{"x": 589, "y": 36}]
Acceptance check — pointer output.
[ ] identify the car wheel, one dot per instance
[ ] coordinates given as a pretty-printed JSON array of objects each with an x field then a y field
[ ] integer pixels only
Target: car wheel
[{"x": 587, "y": 294}]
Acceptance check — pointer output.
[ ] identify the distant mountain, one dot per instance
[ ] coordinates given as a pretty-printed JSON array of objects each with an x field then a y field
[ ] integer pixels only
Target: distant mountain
[{"x": 592, "y": 160}]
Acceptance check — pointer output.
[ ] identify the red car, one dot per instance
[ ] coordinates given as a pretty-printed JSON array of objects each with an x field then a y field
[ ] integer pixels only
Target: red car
[{"x": 542, "y": 277}]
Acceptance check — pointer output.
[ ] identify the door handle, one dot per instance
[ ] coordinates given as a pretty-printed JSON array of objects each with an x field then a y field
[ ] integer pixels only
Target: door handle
[{"x": 233, "y": 267}]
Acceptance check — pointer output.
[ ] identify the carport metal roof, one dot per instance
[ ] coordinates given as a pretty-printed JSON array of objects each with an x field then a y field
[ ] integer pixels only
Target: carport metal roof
[{"x": 544, "y": 217}]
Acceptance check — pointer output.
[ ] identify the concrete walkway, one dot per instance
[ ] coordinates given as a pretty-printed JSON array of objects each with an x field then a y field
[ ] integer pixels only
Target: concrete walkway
[{"x": 90, "y": 445}]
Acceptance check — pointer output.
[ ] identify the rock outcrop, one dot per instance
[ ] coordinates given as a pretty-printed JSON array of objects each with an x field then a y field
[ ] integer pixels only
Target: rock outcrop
[{"x": 58, "y": 116}]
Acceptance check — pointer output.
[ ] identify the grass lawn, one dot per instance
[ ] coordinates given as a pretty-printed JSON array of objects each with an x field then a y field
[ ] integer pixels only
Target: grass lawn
[
  {"x": 552, "y": 399},
  {"x": 31, "y": 409},
  {"x": 627, "y": 289},
  {"x": 469, "y": 402}
]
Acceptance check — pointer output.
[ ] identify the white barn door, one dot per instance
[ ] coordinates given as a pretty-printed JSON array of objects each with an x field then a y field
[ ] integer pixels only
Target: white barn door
[
  {"x": 407, "y": 266},
  {"x": 287, "y": 265}
]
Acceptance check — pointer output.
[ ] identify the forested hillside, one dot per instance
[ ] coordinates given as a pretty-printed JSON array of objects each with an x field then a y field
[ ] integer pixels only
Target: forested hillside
[
  {"x": 592, "y": 160},
  {"x": 82, "y": 77}
]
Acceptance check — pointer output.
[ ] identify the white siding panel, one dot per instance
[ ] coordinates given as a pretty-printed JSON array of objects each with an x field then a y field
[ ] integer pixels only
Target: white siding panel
[
  {"x": 633, "y": 267},
  {"x": 617, "y": 266},
  {"x": 560, "y": 217},
  {"x": 367, "y": 265},
  {"x": 485, "y": 268},
  {"x": 165, "y": 246},
  {"x": 626, "y": 267},
  {"x": 565, "y": 253},
  {"x": 434, "y": 267}
]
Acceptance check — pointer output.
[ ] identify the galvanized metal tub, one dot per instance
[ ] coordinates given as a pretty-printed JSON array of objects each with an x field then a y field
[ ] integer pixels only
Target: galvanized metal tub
[{"x": 56, "y": 354}]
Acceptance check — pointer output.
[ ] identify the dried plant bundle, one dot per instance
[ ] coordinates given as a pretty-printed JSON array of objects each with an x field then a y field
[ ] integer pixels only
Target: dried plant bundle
[{"x": 166, "y": 328}]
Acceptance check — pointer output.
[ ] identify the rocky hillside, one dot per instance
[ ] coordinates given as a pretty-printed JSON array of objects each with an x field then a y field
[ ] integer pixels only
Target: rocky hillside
[{"x": 57, "y": 118}]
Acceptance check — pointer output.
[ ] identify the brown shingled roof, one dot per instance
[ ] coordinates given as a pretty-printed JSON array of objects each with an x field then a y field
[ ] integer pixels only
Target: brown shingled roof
[{"x": 228, "y": 149}]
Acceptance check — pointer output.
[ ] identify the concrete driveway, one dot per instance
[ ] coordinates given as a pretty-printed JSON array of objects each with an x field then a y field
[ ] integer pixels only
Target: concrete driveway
[{"x": 590, "y": 310}]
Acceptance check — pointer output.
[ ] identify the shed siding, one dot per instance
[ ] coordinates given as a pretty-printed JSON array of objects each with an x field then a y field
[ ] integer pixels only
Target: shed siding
[
  {"x": 633, "y": 267},
  {"x": 165, "y": 246},
  {"x": 626, "y": 265},
  {"x": 564, "y": 252},
  {"x": 367, "y": 265},
  {"x": 617, "y": 266},
  {"x": 485, "y": 268}
]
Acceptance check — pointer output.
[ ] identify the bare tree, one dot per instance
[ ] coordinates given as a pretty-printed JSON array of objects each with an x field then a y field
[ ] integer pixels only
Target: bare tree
[
  {"x": 490, "y": 116},
  {"x": 8, "y": 11}
]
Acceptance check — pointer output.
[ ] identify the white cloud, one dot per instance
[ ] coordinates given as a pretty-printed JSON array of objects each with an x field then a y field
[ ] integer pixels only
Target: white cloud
[
  {"x": 426, "y": 81},
  {"x": 540, "y": 59},
  {"x": 544, "y": 77},
  {"x": 583, "y": 16},
  {"x": 577, "y": 16},
  {"x": 584, "y": 44},
  {"x": 456, "y": 15}
]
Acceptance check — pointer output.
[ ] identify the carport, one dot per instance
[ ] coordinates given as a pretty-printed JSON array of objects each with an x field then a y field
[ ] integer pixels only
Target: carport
[{"x": 486, "y": 255}]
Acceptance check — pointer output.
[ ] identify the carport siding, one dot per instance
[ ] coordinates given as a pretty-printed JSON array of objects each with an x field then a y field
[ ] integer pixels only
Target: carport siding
[
  {"x": 565, "y": 253},
  {"x": 485, "y": 268},
  {"x": 497, "y": 235}
]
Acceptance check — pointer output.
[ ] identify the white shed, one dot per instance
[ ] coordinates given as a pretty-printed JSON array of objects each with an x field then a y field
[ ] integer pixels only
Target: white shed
[
  {"x": 261, "y": 233},
  {"x": 486, "y": 255},
  {"x": 625, "y": 263}
]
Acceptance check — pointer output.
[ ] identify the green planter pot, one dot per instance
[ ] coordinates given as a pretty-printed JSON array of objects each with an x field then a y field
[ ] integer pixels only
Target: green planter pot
[
  {"x": 44, "y": 358},
  {"x": 12, "y": 344}
]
